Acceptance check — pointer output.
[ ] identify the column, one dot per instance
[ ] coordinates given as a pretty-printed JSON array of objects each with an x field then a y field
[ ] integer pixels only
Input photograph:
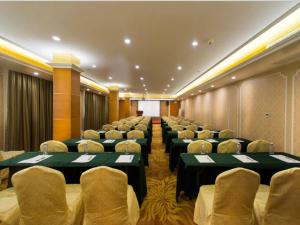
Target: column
[{"x": 113, "y": 104}]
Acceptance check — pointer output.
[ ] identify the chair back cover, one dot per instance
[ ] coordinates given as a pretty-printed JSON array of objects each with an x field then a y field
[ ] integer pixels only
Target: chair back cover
[
  {"x": 104, "y": 191},
  {"x": 192, "y": 127},
  {"x": 108, "y": 127},
  {"x": 258, "y": 146},
  {"x": 91, "y": 134},
  {"x": 206, "y": 127},
  {"x": 123, "y": 127},
  {"x": 234, "y": 196},
  {"x": 129, "y": 146},
  {"x": 54, "y": 146},
  {"x": 200, "y": 146},
  {"x": 226, "y": 134},
  {"x": 230, "y": 146},
  {"x": 205, "y": 134},
  {"x": 90, "y": 146},
  {"x": 177, "y": 128},
  {"x": 113, "y": 134},
  {"x": 135, "y": 134},
  {"x": 140, "y": 127},
  {"x": 116, "y": 123},
  {"x": 184, "y": 123},
  {"x": 186, "y": 134}
]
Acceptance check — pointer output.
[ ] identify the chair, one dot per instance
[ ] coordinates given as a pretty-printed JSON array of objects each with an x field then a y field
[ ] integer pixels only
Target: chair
[
  {"x": 177, "y": 128},
  {"x": 90, "y": 146},
  {"x": 172, "y": 123},
  {"x": 107, "y": 127},
  {"x": 206, "y": 127},
  {"x": 135, "y": 134},
  {"x": 128, "y": 146},
  {"x": 130, "y": 124},
  {"x": 230, "y": 146},
  {"x": 226, "y": 134},
  {"x": 229, "y": 201},
  {"x": 140, "y": 127},
  {"x": 91, "y": 134},
  {"x": 9, "y": 208},
  {"x": 113, "y": 134},
  {"x": 184, "y": 123},
  {"x": 205, "y": 134},
  {"x": 186, "y": 134},
  {"x": 192, "y": 127},
  {"x": 124, "y": 127},
  {"x": 279, "y": 203},
  {"x": 116, "y": 123},
  {"x": 107, "y": 197},
  {"x": 198, "y": 123},
  {"x": 53, "y": 146},
  {"x": 45, "y": 199},
  {"x": 258, "y": 146},
  {"x": 199, "y": 147}
]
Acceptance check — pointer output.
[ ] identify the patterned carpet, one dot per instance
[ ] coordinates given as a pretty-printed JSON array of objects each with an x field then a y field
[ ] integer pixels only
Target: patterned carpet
[{"x": 160, "y": 206}]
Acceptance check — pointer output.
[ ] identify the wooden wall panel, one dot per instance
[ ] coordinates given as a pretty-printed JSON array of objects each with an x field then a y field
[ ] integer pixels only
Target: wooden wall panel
[
  {"x": 113, "y": 106},
  {"x": 134, "y": 107},
  {"x": 164, "y": 108},
  {"x": 124, "y": 108},
  {"x": 174, "y": 108}
]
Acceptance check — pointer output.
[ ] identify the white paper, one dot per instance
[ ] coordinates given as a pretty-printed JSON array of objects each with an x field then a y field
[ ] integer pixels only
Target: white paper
[
  {"x": 84, "y": 159},
  {"x": 101, "y": 131},
  {"x": 134, "y": 140},
  {"x": 245, "y": 159},
  {"x": 197, "y": 131},
  {"x": 78, "y": 142},
  {"x": 109, "y": 141},
  {"x": 211, "y": 140},
  {"x": 187, "y": 140},
  {"x": 204, "y": 159},
  {"x": 215, "y": 132},
  {"x": 285, "y": 159},
  {"x": 36, "y": 159},
  {"x": 125, "y": 159},
  {"x": 123, "y": 131},
  {"x": 237, "y": 140}
]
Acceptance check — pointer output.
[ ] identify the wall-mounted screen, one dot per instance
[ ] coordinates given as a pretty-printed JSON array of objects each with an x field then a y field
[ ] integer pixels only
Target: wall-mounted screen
[{"x": 149, "y": 108}]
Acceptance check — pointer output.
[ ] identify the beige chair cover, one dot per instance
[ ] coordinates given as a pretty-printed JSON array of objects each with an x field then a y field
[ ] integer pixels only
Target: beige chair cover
[
  {"x": 129, "y": 146},
  {"x": 192, "y": 127},
  {"x": 9, "y": 208},
  {"x": 226, "y": 134},
  {"x": 172, "y": 123},
  {"x": 113, "y": 134},
  {"x": 107, "y": 197},
  {"x": 229, "y": 201},
  {"x": 140, "y": 127},
  {"x": 199, "y": 147},
  {"x": 205, "y": 134},
  {"x": 107, "y": 127},
  {"x": 184, "y": 123},
  {"x": 44, "y": 199},
  {"x": 91, "y": 134},
  {"x": 177, "y": 128},
  {"x": 116, "y": 123},
  {"x": 206, "y": 127},
  {"x": 282, "y": 204},
  {"x": 130, "y": 124},
  {"x": 90, "y": 146},
  {"x": 230, "y": 146},
  {"x": 185, "y": 134},
  {"x": 258, "y": 146},
  {"x": 135, "y": 134},
  {"x": 54, "y": 146},
  {"x": 123, "y": 127}
]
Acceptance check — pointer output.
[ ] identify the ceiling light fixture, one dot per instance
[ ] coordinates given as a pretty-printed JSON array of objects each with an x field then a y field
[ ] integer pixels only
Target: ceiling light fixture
[
  {"x": 195, "y": 43},
  {"x": 212, "y": 86},
  {"x": 172, "y": 79},
  {"x": 127, "y": 41},
  {"x": 168, "y": 85},
  {"x": 200, "y": 91},
  {"x": 110, "y": 78},
  {"x": 137, "y": 67},
  {"x": 192, "y": 94},
  {"x": 94, "y": 66},
  {"x": 141, "y": 78},
  {"x": 179, "y": 67},
  {"x": 88, "y": 89},
  {"x": 56, "y": 38},
  {"x": 146, "y": 89},
  {"x": 144, "y": 85},
  {"x": 35, "y": 73},
  {"x": 233, "y": 77},
  {"x": 125, "y": 89}
]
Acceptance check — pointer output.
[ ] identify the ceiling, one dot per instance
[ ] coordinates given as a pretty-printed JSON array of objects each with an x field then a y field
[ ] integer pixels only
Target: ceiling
[{"x": 161, "y": 34}]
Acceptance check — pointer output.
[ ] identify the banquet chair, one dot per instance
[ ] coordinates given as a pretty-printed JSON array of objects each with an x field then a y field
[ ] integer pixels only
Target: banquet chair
[
  {"x": 107, "y": 127},
  {"x": 186, "y": 134},
  {"x": 199, "y": 146},
  {"x": 205, "y": 134},
  {"x": 128, "y": 146},
  {"x": 279, "y": 203},
  {"x": 229, "y": 201},
  {"x": 172, "y": 123},
  {"x": 116, "y": 123},
  {"x": 184, "y": 123},
  {"x": 229, "y": 146},
  {"x": 140, "y": 127},
  {"x": 90, "y": 146},
  {"x": 123, "y": 127},
  {"x": 177, "y": 128},
  {"x": 206, "y": 127},
  {"x": 91, "y": 134},
  {"x": 135, "y": 134},
  {"x": 226, "y": 134},
  {"x": 258, "y": 146},
  {"x": 192, "y": 127},
  {"x": 45, "y": 199},
  {"x": 53, "y": 146},
  {"x": 9, "y": 208},
  {"x": 113, "y": 134},
  {"x": 107, "y": 197}
]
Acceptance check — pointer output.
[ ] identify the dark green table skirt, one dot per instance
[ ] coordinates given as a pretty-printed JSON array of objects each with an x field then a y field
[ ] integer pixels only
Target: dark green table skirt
[
  {"x": 110, "y": 147},
  {"x": 191, "y": 174},
  {"x": 72, "y": 171},
  {"x": 178, "y": 146}
]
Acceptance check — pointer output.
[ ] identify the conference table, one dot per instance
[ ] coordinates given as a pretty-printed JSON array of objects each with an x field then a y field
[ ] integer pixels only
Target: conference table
[
  {"x": 110, "y": 146},
  {"x": 72, "y": 171},
  {"x": 192, "y": 173},
  {"x": 174, "y": 134},
  {"x": 179, "y": 146}
]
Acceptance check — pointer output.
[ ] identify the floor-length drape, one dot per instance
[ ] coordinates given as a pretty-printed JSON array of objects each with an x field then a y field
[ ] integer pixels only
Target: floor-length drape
[
  {"x": 95, "y": 111},
  {"x": 29, "y": 112}
]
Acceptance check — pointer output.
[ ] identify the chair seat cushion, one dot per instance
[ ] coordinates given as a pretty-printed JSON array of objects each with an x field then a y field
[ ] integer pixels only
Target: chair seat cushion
[
  {"x": 74, "y": 202},
  {"x": 260, "y": 202},
  {"x": 9, "y": 209},
  {"x": 133, "y": 206}
]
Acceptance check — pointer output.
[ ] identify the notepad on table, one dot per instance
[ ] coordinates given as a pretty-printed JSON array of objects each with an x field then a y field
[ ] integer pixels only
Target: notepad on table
[
  {"x": 123, "y": 131},
  {"x": 109, "y": 141},
  {"x": 101, "y": 131},
  {"x": 237, "y": 140},
  {"x": 36, "y": 159},
  {"x": 285, "y": 159},
  {"x": 187, "y": 140},
  {"x": 211, "y": 140},
  {"x": 125, "y": 159},
  {"x": 245, "y": 159},
  {"x": 204, "y": 159},
  {"x": 215, "y": 132},
  {"x": 81, "y": 141},
  {"x": 84, "y": 159}
]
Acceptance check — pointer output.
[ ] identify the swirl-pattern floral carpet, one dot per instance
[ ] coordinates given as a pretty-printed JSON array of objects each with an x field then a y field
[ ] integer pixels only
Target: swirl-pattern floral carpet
[{"x": 160, "y": 206}]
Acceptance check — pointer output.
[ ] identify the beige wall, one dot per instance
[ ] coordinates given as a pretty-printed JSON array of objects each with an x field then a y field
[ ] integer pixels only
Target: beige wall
[
  {"x": 1, "y": 112},
  {"x": 266, "y": 106}
]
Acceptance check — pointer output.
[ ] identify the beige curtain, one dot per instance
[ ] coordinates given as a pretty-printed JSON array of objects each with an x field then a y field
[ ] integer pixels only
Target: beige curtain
[
  {"x": 29, "y": 113},
  {"x": 95, "y": 111}
]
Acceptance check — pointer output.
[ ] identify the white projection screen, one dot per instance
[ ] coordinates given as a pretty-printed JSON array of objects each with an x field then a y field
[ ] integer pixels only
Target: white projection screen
[{"x": 149, "y": 108}]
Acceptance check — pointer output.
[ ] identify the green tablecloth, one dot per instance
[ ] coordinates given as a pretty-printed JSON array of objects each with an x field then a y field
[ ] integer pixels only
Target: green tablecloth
[
  {"x": 191, "y": 174},
  {"x": 72, "y": 171},
  {"x": 110, "y": 147},
  {"x": 179, "y": 146}
]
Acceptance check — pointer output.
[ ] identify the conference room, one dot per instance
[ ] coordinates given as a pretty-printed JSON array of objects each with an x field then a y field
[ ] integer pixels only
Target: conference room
[{"x": 150, "y": 112}]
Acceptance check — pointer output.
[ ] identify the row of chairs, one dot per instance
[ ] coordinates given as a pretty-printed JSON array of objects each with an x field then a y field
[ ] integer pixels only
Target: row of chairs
[
  {"x": 237, "y": 198},
  {"x": 205, "y": 134},
  {"x": 139, "y": 123},
  {"x": 113, "y": 134},
  {"x": 229, "y": 146},
  {"x": 90, "y": 146},
  {"x": 40, "y": 195}
]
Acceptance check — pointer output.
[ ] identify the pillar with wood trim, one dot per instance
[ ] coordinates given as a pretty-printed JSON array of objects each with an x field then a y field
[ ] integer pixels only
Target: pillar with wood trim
[{"x": 113, "y": 104}]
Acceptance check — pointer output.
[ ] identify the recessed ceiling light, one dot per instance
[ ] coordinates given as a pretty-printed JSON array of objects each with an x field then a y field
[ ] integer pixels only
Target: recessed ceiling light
[
  {"x": 127, "y": 41},
  {"x": 137, "y": 67},
  {"x": 233, "y": 77},
  {"x": 172, "y": 79},
  {"x": 212, "y": 86},
  {"x": 144, "y": 85},
  {"x": 146, "y": 89},
  {"x": 94, "y": 66},
  {"x": 164, "y": 93},
  {"x": 125, "y": 89},
  {"x": 165, "y": 89},
  {"x": 56, "y": 38},
  {"x": 179, "y": 67},
  {"x": 35, "y": 73},
  {"x": 110, "y": 78},
  {"x": 168, "y": 85},
  {"x": 88, "y": 89},
  {"x": 200, "y": 91},
  {"x": 99, "y": 93},
  {"x": 192, "y": 94},
  {"x": 141, "y": 78},
  {"x": 195, "y": 43}
]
